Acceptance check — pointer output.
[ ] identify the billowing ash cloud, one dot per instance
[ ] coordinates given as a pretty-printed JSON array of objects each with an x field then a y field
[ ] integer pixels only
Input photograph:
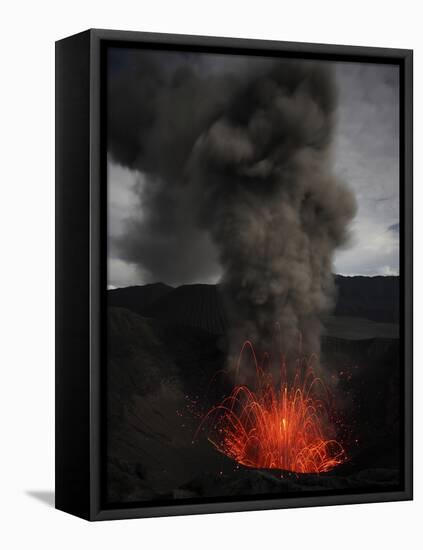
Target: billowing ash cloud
[
  {"x": 243, "y": 161},
  {"x": 158, "y": 105}
]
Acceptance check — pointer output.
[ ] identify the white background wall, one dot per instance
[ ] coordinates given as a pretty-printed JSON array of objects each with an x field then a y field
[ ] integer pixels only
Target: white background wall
[{"x": 28, "y": 32}]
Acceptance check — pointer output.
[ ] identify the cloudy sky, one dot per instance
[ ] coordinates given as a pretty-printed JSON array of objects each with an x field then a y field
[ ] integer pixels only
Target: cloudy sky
[{"x": 365, "y": 156}]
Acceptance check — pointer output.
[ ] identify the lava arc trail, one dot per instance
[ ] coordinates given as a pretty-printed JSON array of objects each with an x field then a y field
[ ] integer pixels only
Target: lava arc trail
[{"x": 284, "y": 425}]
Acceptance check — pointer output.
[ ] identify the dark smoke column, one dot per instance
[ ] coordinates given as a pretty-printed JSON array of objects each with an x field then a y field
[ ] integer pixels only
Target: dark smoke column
[
  {"x": 243, "y": 157},
  {"x": 276, "y": 212}
]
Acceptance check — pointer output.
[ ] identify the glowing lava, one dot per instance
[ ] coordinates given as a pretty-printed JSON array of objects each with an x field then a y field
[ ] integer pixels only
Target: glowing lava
[{"x": 280, "y": 426}]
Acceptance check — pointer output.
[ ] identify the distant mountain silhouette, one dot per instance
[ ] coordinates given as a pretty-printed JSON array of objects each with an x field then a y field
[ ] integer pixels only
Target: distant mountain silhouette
[
  {"x": 138, "y": 298},
  {"x": 196, "y": 305},
  {"x": 374, "y": 298},
  {"x": 200, "y": 305}
]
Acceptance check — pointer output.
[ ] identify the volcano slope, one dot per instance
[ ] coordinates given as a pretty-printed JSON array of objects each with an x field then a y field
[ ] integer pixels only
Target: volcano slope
[{"x": 165, "y": 347}]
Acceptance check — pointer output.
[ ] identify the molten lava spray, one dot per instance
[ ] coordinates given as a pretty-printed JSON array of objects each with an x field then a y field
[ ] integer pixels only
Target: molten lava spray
[{"x": 282, "y": 426}]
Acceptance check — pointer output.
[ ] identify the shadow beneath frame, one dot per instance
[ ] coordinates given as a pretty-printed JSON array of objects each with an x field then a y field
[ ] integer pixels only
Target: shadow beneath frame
[{"x": 46, "y": 497}]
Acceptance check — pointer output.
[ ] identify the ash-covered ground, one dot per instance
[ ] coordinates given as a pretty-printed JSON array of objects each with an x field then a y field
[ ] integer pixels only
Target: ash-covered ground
[{"x": 165, "y": 345}]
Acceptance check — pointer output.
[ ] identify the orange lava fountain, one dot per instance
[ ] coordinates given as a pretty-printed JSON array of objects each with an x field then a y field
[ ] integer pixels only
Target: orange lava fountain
[{"x": 281, "y": 426}]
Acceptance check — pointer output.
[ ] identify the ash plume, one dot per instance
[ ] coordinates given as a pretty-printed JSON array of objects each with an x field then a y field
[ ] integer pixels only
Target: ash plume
[
  {"x": 158, "y": 106},
  {"x": 245, "y": 162}
]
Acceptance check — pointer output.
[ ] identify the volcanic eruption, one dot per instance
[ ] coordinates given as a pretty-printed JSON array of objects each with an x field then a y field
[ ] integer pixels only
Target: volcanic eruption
[
  {"x": 276, "y": 213},
  {"x": 249, "y": 168},
  {"x": 270, "y": 425}
]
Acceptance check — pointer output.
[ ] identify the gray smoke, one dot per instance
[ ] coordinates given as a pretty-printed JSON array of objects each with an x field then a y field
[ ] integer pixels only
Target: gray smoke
[
  {"x": 158, "y": 106},
  {"x": 244, "y": 161}
]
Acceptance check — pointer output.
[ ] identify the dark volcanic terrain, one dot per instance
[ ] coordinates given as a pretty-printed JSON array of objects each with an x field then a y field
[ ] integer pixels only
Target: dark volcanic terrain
[
  {"x": 165, "y": 345},
  {"x": 360, "y": 301}
]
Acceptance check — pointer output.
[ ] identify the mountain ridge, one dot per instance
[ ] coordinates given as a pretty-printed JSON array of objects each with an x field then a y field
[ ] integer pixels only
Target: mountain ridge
[{"x": 200, "y": 305}]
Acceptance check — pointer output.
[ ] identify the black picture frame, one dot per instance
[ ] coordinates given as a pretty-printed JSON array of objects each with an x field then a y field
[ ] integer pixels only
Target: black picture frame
[{"x": 81, "y": 251}]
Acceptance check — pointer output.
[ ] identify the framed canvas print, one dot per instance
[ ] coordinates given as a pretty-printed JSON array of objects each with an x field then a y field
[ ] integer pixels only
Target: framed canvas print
[{"x": 234, "y": 274}]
